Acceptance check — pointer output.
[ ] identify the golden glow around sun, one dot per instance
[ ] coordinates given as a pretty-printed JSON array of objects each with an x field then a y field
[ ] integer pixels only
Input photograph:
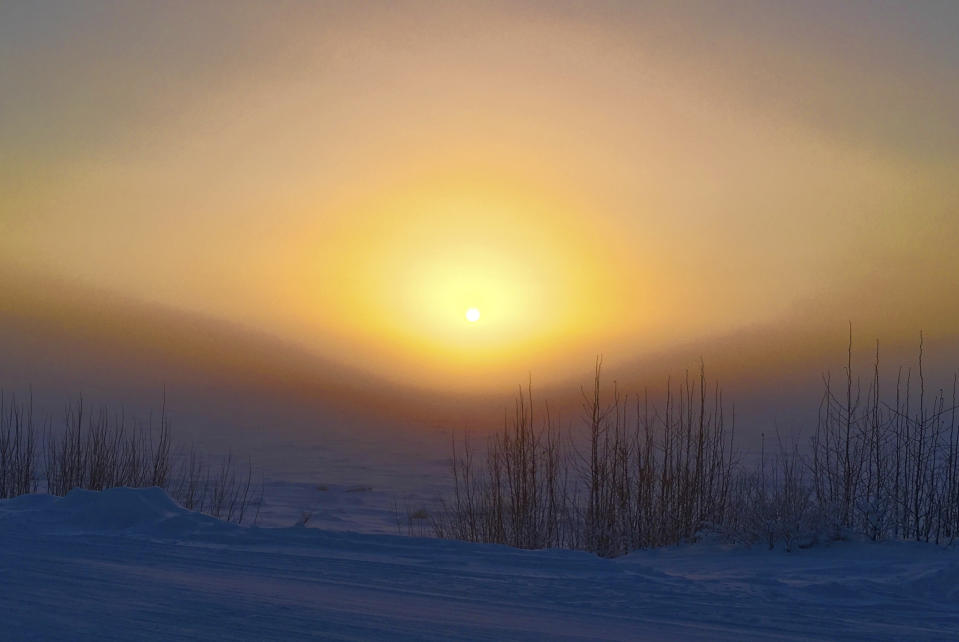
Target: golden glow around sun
[{"x": 474, "y": 254}]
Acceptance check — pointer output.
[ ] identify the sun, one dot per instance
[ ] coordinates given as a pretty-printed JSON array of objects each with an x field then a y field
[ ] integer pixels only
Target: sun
[{"x": 472, "y": 315}]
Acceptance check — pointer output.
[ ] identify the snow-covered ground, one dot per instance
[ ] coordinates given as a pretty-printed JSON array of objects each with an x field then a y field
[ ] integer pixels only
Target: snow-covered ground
[
  {"x": 354, "y": 482},
  {"x": 131, "y": 564}
]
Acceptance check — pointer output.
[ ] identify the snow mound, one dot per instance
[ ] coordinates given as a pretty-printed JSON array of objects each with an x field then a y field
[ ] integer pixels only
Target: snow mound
[{"x": 148, "y": 511}]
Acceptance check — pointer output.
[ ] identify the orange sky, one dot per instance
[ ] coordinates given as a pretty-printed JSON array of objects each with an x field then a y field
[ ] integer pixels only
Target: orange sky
[{"x": 623, "y": 178}]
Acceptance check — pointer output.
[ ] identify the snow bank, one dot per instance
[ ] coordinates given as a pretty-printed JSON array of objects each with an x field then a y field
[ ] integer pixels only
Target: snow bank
[{"x": 148, "y": 511}]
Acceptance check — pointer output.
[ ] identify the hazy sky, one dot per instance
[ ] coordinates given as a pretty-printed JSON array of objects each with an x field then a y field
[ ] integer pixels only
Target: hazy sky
[{"x": 594, "y": 177}]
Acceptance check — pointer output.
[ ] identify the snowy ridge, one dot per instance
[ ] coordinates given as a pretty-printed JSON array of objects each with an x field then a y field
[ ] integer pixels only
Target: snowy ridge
[
  {"x": 130, "y": 563},
  {"x": 148, "y": 511}
]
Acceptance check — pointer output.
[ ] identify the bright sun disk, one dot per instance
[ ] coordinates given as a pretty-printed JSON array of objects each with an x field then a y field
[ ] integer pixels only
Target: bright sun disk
[{"x": 472, "y": 315}]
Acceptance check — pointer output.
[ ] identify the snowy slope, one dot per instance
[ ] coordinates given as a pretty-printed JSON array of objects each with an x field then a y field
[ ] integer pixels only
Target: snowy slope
[{"x": 130, "y": 564}]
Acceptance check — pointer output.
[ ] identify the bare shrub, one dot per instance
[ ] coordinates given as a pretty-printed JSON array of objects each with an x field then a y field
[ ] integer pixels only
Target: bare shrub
[
  {"x": 519, "y": 497},
  {"x": 889, "y": 468},
  {"x": 774, "y": 502},
  {"x": 105, "y": 449},
  {"x": 215, "y": 486},
  {"x": 18, "y": 473},
  {"x": 638, "y": 476}
]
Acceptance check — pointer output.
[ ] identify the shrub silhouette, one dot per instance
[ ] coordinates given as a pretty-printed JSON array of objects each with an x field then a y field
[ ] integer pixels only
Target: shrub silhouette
[{"x": 637, "y": 476}]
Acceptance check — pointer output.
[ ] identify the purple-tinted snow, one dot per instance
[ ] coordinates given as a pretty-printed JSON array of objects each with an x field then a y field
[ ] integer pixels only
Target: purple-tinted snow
[{"x": 131, "y": 564}]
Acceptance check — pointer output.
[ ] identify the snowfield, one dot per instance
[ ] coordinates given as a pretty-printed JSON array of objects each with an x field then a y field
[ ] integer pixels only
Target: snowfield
[{"x": 131, "y": 564}]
